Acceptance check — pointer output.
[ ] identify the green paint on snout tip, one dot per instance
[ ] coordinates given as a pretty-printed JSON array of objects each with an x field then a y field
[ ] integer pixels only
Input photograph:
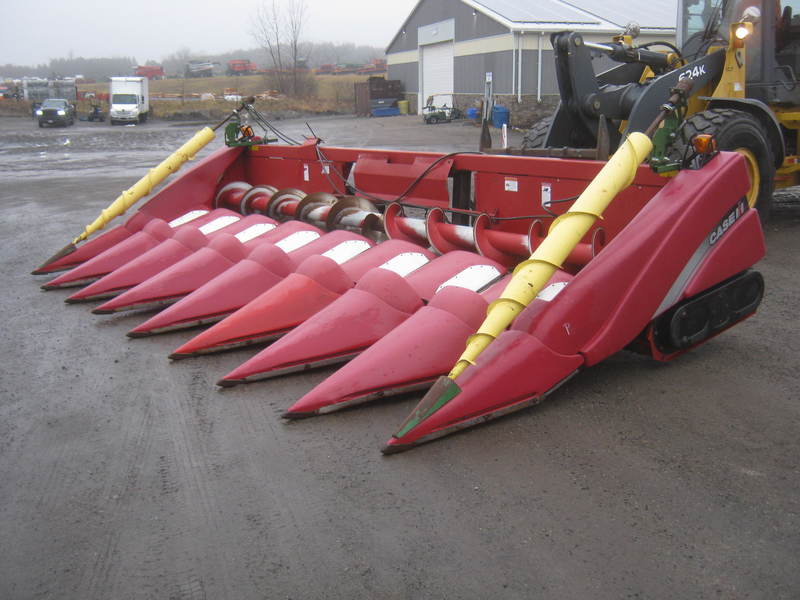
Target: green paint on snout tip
[{"x": 450, "y": 392}]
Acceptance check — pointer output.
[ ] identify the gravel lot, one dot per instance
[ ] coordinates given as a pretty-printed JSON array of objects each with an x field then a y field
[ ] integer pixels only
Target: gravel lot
[{"x": 123, "y": 476}]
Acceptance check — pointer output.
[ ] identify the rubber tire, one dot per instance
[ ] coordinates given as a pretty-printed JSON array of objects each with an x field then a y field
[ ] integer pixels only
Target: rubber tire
[
  {"x": 736, "y": 129},
  {"x": 536, "y": 135}
]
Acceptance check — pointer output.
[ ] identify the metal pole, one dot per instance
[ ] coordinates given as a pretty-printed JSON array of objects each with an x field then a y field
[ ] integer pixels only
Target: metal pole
[
  {"x": 514, "y": 61},
  {"x": 521, "y": 45},
  {"x": 539, "y": 69}
]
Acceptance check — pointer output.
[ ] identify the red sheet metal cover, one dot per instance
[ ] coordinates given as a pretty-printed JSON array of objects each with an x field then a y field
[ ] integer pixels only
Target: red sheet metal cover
[{"x": 387, "y": 176}]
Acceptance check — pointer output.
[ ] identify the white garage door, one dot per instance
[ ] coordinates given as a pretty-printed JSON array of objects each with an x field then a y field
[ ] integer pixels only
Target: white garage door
[{"x": 437, "y": 73}]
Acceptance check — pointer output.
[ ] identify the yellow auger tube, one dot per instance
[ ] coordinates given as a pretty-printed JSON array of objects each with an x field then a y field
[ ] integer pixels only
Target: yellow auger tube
[
  {"x": 146, "y": 184},
  {"x": 565, "y": 233}
]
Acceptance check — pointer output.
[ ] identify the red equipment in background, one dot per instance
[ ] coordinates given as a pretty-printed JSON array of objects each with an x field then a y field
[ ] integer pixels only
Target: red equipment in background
[
  {"x": 149, "y": 71},
  {"x": 241, "y": 66}
]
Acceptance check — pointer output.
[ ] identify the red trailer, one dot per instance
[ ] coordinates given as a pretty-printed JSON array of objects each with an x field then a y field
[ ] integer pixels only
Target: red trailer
[
  {"x": 149, "y": 71},
  {"x": 240, "y": 66}
]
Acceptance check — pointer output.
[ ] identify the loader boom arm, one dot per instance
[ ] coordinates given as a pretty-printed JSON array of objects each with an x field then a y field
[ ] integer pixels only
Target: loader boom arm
[{"x": 616, "y": 94}]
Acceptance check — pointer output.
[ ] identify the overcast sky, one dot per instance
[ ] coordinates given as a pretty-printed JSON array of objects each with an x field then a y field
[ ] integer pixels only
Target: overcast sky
[{"x": 34, "y": 31}]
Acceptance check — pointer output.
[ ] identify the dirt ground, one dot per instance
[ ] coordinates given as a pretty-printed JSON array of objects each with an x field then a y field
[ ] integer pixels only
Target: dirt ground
[{"x": 125, "y": 476}]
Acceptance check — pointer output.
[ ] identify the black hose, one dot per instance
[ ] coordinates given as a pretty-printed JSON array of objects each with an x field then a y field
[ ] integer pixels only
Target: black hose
[
  {"x": 669, "y": 45},
  {"x": 321, "y": 156}
]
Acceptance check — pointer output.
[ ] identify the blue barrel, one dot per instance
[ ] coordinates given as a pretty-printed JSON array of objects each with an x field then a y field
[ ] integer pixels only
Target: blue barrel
[
  {"x": 472, "y": 113},
  {"x": 499, "y": 116}
]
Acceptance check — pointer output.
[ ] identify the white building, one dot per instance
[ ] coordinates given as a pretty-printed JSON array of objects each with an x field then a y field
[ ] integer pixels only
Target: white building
[{"x": 445, "y": 48}]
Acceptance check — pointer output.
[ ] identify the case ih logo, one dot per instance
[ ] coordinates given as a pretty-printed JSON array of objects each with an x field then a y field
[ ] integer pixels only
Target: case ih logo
[{"x": 726, "y": 223}]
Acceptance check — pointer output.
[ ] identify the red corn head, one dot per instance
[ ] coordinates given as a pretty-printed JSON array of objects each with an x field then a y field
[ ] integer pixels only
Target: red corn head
[
  {"x": 185, "y": 276},
  {"x": 316, "y": 284},
  {"x": 133, "y": 245},
  {"x": 515, "y": 371},
  {"x": 167, "y": 253},
  {"x": 265, "y": 265},
  {"x": 68, "y": 259},
  {"x": 381, "y": 301},
  {"x": 410, "y": 357},
  {"x": 676, "y": 276}
]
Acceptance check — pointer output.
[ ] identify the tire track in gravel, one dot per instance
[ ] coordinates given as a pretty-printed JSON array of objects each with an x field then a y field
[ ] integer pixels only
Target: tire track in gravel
[
  {"x": 195, "y": 564},
  {"x": 290, "y": 527},
  {"x": 122, "y": 494}
]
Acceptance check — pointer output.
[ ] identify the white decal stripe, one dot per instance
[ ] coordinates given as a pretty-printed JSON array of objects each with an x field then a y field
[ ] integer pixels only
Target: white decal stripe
[
  {"x": 405, "y": 263},
  {"x": 254, "y": 231},
  {"x": 343, "y": 252},
  {"x": 219, "y": 223},
  {"x": 297, "y": 240},
  {"x": 549, "y": 293},
  {"x": 472, "y": 278},
  {"x": 187, "y": 218}
]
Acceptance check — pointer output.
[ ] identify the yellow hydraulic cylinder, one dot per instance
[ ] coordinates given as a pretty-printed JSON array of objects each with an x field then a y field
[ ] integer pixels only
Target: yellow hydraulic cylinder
[
  {"x": 146, "y": 184},
  {"x": 531, "y": 276}
]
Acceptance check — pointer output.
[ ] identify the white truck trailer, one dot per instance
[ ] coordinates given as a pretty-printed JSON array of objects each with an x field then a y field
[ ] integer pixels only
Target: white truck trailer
[{"x": 129, "y": 100}]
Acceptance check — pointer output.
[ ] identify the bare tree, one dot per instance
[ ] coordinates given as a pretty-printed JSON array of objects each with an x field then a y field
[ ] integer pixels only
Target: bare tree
[
  {"x": 268, "y": 32},
  {"x": 175, "y": 63},
  {"x": 295, "y": 19},
  {"x": 278, "y": 29}
]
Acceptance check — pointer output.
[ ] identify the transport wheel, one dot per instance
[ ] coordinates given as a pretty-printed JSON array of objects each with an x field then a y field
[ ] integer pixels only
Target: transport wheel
[
  {"x": 740, "y": 132},
  {"x": 536, "y": 135}
]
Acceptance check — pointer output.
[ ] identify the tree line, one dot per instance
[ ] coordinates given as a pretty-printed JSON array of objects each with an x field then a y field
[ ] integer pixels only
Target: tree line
[
  {"x": 315, "y": 54},
  {"x": 57, "y": 68}
]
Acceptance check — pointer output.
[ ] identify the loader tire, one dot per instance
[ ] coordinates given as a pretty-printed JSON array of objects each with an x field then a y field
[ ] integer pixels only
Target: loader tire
[
  {"x": 741, "y": 132},
  {"x": 535, "y": 136}
]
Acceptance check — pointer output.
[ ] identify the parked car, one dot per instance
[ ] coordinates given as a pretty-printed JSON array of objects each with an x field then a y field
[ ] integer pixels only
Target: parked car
[{"x": 56, "y": 111}]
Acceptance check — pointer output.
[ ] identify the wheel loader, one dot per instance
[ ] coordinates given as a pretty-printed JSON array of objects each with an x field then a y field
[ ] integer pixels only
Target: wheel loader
[
  {"x": 743, "y": 57},
  {"x": 486, "y": 278}
]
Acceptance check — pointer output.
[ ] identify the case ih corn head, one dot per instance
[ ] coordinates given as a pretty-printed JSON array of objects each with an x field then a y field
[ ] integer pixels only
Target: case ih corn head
[{"x": 486, "y": 278}]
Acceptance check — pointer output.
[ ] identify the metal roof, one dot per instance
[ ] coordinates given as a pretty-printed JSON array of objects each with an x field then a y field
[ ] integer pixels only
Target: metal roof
[
  {"x": 539, "y": 11},
  {"x": 604, "y": 15},
  {"x": 649, "y": 15}
]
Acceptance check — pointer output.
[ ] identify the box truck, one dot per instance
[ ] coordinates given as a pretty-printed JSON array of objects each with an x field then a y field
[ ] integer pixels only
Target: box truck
[{"x": 129, "y": 100}]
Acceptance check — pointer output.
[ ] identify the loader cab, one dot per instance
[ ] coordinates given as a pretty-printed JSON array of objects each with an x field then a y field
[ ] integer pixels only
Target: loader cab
[{"x": 773, "y": 50}]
